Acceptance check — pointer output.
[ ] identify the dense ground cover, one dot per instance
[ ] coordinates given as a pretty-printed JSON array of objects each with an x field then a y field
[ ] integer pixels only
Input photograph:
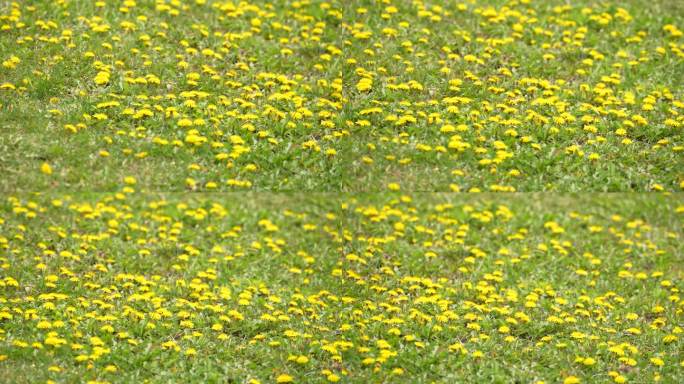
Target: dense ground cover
[
  {"x": 127, "y": 287},
  {"x": 342, "y": 95},
  {"x": 229, "y": 191}
]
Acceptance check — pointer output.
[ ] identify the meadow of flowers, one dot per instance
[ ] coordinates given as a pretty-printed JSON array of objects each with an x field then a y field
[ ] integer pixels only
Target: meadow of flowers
[
  {"x": 286, "y": 191},
  {"x": 350, "y": 95},
  {"x": 128, "y": 287}
]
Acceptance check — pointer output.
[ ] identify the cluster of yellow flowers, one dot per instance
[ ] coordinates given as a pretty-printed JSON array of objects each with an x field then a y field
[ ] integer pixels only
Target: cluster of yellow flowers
[
  {"x": 106, "y": 104},
  {"x": 480, "y": 93},
  {"x": 468, "y": 96},
  {"x": 218, "y": 85},
  {"x": 94, "y": 287}
]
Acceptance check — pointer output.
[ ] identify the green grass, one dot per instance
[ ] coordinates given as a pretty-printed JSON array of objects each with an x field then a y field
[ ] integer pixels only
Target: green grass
[
  {"x": 207, "y": 191},
  {"x": 512, "y": 79},
  {"x": 279, "y": 79},
  {"x": 571, "y": 276}
]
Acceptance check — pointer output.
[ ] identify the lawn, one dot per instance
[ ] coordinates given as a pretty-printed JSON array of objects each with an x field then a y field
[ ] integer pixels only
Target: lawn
[
  {"x": 342, "y": 95},
  {"x": 367, "y": 288},
  {"x": 310, "y": 191}
]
